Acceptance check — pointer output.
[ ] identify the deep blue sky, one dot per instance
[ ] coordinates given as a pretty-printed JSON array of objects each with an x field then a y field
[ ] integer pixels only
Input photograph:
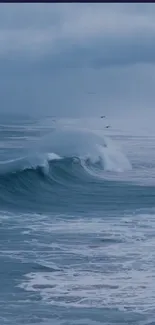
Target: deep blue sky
[{"x": 77, "y": 59}]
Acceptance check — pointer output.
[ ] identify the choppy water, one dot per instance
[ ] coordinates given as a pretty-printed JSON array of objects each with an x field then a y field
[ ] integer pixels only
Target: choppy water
[{"x": 77, "y": 223}]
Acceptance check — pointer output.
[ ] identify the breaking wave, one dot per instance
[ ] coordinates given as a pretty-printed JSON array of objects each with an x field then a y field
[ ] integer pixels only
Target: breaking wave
[
  {"x": 87, "y": 148},
  {"x": 64, "y": 157}
]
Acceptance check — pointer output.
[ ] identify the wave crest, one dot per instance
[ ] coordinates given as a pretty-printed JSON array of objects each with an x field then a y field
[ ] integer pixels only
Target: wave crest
[
  {"x": 64, "y": 159},
  {"x": 93, "y": 152}
]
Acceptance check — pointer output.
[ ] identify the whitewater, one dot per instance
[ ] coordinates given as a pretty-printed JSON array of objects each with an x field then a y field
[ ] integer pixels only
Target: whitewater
[{"x": 77, "y": 208}]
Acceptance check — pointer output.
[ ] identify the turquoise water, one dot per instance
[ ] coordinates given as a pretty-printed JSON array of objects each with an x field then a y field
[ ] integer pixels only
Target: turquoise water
[{"x": 77, "y": 223}]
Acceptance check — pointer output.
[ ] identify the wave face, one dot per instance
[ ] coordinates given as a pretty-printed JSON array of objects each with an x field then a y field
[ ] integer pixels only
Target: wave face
[{"x": 64, "y": 159}]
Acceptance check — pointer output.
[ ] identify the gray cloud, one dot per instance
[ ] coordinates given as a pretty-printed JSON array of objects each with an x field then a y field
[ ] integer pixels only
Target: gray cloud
[
  {"x": 52, "y": 55},
  {"x": 43, "y": 29}
]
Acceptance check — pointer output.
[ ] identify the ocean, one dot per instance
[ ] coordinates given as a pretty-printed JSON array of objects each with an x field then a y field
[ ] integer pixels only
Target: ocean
[{"x": 77, "y": 221}]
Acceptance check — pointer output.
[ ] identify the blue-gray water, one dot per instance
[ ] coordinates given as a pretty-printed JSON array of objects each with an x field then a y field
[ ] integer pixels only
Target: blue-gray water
[{"x": 77, "y": 224}]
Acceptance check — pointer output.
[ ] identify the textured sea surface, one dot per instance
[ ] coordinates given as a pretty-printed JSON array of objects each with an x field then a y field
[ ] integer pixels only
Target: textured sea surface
[{"x": 77, "y": 222}]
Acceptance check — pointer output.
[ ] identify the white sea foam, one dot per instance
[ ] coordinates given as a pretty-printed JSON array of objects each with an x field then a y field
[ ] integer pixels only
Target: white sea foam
[{"x": 95, "y": 262}]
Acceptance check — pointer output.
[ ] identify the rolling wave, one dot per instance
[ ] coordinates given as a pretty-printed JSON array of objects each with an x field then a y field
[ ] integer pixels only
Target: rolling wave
[{"x": 64, "y": 158}]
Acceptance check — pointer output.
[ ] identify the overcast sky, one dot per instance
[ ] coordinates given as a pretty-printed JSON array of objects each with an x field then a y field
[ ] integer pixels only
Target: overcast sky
[{"x": 77, "y": 59}]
